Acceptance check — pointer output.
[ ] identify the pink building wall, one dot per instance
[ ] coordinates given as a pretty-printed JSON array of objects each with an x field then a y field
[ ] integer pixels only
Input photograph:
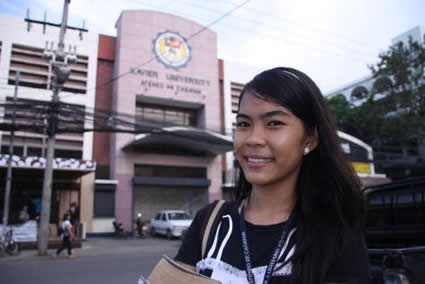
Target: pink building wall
[{"x": 136, "y": 31}]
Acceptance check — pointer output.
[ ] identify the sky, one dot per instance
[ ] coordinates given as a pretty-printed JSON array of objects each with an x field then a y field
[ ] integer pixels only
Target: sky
[{"x": 333, "y": 41}]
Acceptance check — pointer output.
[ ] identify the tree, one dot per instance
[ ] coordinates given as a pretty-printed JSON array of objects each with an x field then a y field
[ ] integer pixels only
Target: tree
[
  {"x": 363, "y": 122},
  {"x": 341, "y": 109},
  {"x": 399, "y": 92},
  {"x": 392, "y": 118}
]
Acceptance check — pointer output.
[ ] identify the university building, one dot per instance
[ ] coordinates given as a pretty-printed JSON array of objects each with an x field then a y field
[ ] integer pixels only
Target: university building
[{"x": 171, "y": 82}]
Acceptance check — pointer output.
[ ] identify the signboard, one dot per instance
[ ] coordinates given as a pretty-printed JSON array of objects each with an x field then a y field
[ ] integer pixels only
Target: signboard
[
  {"x": 170, "y": 81},
  {"x": 361, "y": 168},
  {"x": 171, "y": 49}
]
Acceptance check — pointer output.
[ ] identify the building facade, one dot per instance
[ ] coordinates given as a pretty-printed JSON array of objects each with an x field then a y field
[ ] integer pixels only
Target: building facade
[
  {"x": 24, "y": 46},
  {"x": 167, "y": 80}
]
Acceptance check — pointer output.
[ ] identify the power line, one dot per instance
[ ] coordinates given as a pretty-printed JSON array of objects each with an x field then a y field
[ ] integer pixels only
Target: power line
[
  {"x": 190, "y": 37},
  {"x": 34, "y": 113},
  {"x": 153, "y": 58},
  {"x": 339, "y": 35},
  {"x": 321, "y": 50},
  {"x": 359, "y": 46},
  {"x": 268, "y": 32}
]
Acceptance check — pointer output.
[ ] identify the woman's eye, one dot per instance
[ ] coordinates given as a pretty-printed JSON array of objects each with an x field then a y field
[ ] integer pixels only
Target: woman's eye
[
  {"x": 275, "y": 123},
  {"x": 242, "y": 124}
]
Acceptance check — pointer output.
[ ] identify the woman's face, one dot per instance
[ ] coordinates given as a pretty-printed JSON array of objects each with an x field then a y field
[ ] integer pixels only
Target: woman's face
[{"x": 269, "y": 141}]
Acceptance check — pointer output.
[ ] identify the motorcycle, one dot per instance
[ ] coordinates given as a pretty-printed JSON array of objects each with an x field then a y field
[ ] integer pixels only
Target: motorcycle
[{"x": 141, "y": 227}]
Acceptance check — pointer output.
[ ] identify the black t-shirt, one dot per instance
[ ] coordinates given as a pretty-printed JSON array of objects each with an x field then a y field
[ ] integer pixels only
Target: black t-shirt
[{"x": 224, "y": 259}]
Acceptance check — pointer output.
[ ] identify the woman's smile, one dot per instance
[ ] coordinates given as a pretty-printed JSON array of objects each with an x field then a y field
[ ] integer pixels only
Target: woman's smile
[{"x": 257, "y": 162}]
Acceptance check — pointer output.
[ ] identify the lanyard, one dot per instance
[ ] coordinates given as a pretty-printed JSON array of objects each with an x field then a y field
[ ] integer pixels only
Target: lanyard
[{"x": 276, "y": 251}]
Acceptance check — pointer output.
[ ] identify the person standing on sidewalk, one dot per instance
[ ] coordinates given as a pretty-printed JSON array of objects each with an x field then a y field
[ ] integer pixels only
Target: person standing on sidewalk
[{"x": 67, "y": 236}]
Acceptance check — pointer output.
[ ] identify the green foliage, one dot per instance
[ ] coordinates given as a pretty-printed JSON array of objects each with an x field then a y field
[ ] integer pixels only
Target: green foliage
[
  {"x": 360, "y": 121},
  {"x": 394, "y": 113},
  {"x": 341, "y": 110},
  {"x": 403, "y": 107},
  {"x": 405, "y": 65}
]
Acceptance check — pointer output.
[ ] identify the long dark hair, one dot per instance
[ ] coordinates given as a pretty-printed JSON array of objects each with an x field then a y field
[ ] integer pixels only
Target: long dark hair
[{"x": 330, "y": 205}]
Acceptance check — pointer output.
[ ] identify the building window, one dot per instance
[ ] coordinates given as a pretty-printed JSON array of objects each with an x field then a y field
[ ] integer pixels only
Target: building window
[
  {"x": 34, "y": 151},
  {"x": 102, "y": 172},
  {"x": 169, "y": 171},
  {"x": 166, "y": 114},
  {"x": 37, "y": 73},
  {"x": 75, "y": 154},
  {"x": 17, "y": 150},
  {"x": 359, "y": 93},
  {"x": 29, "y": 114},
  {"x": 236, "y": 90},
  {"x": 104, "y": 203}
]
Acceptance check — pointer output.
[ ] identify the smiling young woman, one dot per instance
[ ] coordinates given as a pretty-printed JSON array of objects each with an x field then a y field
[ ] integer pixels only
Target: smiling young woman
[{"x": 299, "y": 212}]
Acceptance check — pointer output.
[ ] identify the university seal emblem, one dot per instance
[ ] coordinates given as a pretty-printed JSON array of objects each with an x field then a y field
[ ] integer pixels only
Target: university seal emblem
[{"x": 171, "y": 49}]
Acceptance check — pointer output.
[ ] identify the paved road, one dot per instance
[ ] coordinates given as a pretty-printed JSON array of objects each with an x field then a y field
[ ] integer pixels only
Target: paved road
[{"x": 103, "y": 261}]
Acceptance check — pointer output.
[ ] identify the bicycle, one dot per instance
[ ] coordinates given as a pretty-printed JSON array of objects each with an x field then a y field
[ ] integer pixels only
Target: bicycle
[{"x": 7, "y": 244}]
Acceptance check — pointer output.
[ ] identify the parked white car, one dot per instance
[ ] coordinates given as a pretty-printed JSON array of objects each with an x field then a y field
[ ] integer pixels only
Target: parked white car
[{"x": 170, "y": 223}]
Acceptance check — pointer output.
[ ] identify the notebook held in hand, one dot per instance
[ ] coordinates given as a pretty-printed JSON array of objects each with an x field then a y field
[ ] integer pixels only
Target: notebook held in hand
[{"x": 169, "y": 271}]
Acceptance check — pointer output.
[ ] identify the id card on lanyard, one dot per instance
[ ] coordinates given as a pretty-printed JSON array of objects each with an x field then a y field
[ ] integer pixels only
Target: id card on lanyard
[{"x": 275, "y": 255}]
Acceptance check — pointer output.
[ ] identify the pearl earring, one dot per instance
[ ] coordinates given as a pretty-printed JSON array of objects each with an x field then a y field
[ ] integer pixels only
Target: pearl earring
[{"x": 306, "y": 150}]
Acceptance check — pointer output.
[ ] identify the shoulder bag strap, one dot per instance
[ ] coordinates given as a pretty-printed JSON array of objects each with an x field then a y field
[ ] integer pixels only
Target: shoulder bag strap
[{"x": 212, "y": 221}]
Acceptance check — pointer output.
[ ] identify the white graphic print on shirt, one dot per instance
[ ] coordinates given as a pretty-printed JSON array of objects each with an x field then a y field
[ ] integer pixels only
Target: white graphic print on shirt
[{"x": 228, "y": 274}]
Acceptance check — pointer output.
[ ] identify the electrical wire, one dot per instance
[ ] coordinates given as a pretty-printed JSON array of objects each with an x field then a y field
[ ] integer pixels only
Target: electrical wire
[
  {"x": 72, "y": 119},
  {"x": 69, "y": 114},
  {"x": 209, "y": 25},
  {"x": 190, "y": 37},
  {"x": 154, "y": 57},
  {"x": 272, "y": 31},
  {"x": 359, "y": 46}
]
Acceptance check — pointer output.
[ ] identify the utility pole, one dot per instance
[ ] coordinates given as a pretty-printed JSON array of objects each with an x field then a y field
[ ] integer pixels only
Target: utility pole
[
  {"x": 9, "y": 161},
  {"x": 61, "y": 74}
]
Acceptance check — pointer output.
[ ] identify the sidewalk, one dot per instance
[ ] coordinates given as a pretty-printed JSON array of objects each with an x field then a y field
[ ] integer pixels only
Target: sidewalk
[{"x": 98, "y": 247}]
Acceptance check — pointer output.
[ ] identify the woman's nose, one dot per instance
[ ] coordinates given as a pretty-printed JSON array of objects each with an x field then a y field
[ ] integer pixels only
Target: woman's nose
[{"x": 255, "y": 137}]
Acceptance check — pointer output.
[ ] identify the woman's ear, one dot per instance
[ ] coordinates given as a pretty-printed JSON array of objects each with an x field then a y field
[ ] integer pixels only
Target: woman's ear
[{"x": 312, "y": 141}]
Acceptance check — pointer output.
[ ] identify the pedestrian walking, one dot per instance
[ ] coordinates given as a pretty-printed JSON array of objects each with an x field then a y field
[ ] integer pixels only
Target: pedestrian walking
[
  {"x": 67, "y": 236},
  {"x": 74, "y": 213},
  {"x": 299, "y": 213}
]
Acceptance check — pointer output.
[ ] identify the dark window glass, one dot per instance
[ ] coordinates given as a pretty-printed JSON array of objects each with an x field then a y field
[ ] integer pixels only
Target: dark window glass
[
  {"x": 17, "y": 150},
  {"x": 163, "y": 217},
  {"x": 75, "y": 154},
  {"x": 355, "y": 152},
  {"x": 33, "y": 151},
  {"x": 102, "y": 172},
  {"x": 166, "y": 171},
  {"x": 158, "y": 216},
  {"x": 178, "y": 216},
  {"x": 104, "y": 203},
  {"x": 166, "y": 114}
]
